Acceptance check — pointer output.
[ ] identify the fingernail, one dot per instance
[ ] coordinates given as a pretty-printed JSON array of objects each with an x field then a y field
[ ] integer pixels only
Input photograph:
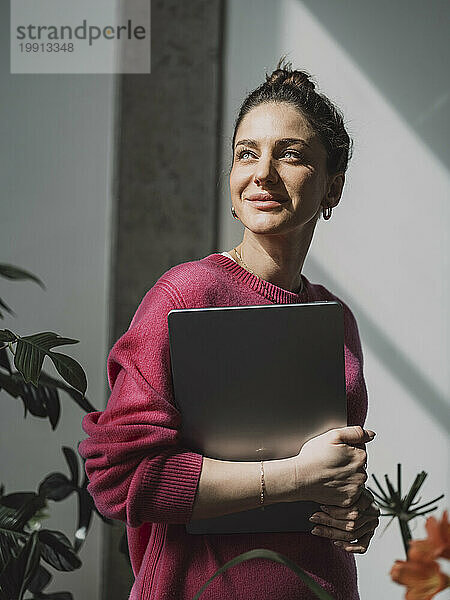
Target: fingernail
[
  {"x": 313, "y": 518},
  {"x": 315, "y": 531},
  {"x": 338, "y": 544},
  {"x": 323, "y": 507}
]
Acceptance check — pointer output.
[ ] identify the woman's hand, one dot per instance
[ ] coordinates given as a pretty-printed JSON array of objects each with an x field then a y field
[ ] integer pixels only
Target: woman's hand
[
  {"x": 350, "y": 527},
  {"x": 329, "y": 469}
]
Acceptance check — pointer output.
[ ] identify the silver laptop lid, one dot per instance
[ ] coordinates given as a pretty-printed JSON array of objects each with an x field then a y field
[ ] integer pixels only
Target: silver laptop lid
[{"x": 256, "y": 382}]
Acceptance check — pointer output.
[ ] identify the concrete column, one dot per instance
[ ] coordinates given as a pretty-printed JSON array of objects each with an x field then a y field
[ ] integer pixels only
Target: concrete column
[{"x": 166, "y": 176}]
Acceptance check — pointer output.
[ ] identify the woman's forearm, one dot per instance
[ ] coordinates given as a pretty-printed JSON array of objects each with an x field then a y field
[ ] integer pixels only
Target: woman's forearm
[{"x": 233, "y": 486}]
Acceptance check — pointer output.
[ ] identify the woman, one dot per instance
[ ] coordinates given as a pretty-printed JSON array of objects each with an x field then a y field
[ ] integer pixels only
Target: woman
[{"x": 290, "y": 154}]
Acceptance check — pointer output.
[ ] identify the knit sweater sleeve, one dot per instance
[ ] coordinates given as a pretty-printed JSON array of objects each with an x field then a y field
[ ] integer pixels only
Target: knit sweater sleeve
[{"x": 138, "y": 470}]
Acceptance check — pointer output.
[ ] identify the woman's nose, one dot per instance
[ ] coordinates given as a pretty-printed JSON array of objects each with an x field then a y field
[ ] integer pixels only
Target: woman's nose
[{"x": 265, "y": 171}]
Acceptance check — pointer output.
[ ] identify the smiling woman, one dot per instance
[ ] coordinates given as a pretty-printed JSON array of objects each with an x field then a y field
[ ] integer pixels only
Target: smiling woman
[{"x": 290, "y": 153}]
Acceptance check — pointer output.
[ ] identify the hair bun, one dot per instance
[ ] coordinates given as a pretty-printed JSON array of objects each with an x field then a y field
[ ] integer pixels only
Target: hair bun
[{"x": 284, "y": 75}]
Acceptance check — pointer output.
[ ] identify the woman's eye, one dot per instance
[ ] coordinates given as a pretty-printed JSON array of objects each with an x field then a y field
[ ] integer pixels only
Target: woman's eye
[
  {"x": 243, "y": 154},
  {"x": 293, "y": 153}
]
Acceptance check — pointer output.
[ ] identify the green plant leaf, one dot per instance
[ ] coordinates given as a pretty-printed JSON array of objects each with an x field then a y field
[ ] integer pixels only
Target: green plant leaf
[
  {"x": 81, "y": 400},
  {"x": 9, "y": 538},
  {"x": 86, "y": 508},
  {"x": 20, "y": 570},
  {"x": 399, "y": 480},
  {"x": 52, "y": 596},
  {"x": 13, "y": 519},
  {"x": 57, "y": 550},
  {"x": 18, "y": 499},
  {"x": 35, "y": 399},
  {"x": 12, "y": 385},
  {"x": 382, "y": 492},
  {"x": 83, "y": 489},
  {"x": 12, "y": 272},
  {"x": 72, "y": 462},
  {"x": 20, "y": 515},
  {"x": 32, "y": 349},
  {"x": 53, "y": 405},
  {"x": 427, "y": 504},
  {"x": 276, "y": 557},
  {"x": 4, "y": 360},
  {"x": 30, "y": 354},
  {"x": 56, "y": 487},
  {"x": 85, "y": 511},
  {"x": 395, "y": 497},
  {"x": 40, "y": 580},
  {"x": 31, "y": 558},
  {"x": 417, "y": 484},
  {"x": 7, "y": 336},
  {"x": 44, "y": 400},
  {"x": 41, "y": 401},
  {"x": 35, "y": 522},
  {"x": 7, "y": 308},
  {"x": 70, "y": 370}
]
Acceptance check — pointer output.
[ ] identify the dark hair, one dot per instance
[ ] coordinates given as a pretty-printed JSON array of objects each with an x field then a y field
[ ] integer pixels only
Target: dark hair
[{"x": 297, "y": 89}]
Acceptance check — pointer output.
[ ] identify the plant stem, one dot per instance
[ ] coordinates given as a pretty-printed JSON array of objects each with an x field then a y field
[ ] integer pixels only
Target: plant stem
[{"x": 406, "y": 533}]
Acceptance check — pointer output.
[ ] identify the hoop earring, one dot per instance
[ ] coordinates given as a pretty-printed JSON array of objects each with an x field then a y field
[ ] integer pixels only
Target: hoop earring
[
  {"x": 233, "y": 212},
  {"x": 326, "y": 212}
]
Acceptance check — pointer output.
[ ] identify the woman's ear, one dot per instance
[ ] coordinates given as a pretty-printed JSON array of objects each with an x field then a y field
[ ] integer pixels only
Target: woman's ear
[{"x": 335, "y": 187}]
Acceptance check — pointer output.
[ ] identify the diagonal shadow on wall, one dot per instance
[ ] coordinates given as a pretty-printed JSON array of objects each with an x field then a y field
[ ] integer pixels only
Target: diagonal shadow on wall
[
  {"x": 402, "y": 368},
  {"x": 410, "y": 76}
]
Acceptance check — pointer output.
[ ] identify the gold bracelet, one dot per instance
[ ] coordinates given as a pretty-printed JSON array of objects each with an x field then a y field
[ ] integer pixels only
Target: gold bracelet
[{"x": 263, "y": 487}]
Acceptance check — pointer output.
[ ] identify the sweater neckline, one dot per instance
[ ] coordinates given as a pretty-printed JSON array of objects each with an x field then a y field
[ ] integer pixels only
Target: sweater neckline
[{"x": 273, "y": 292}]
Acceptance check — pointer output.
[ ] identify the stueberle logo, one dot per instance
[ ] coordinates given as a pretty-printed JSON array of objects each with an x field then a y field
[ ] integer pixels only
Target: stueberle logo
[
  {"x": 81, "y": 32},
  {"x": 82, "y": 36}
]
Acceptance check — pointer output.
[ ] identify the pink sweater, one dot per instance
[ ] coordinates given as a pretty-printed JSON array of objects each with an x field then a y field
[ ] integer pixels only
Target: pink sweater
[{"x": 139, "y": 472}]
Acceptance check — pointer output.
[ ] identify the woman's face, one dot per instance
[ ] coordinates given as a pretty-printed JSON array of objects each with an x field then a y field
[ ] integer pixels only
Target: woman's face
[{"x": 276, "y": 152}]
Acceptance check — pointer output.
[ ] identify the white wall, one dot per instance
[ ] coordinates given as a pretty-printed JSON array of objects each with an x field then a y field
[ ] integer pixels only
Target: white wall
[
  {"x": 55, "y": 220},
  {"x": 385, "y": 250}
]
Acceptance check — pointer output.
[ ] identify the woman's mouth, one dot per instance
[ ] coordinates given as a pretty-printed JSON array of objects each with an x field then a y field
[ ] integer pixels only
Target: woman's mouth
[
  {"x": 265, "y": 204},
  {"x": 265, "y": 201}
]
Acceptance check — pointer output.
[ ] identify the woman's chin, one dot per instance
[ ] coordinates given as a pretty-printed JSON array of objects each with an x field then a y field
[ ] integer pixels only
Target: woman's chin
[{"x": 266, "y": 228}]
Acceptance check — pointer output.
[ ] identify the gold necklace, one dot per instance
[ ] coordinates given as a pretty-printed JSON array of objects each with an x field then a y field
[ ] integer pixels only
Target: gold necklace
[{"x": 253, "y": 273}]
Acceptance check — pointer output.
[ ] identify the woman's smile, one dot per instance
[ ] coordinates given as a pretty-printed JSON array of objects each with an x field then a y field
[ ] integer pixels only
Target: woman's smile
[
  {"x": 266, "y": 200},
  {"x": 265, "y": 204}
]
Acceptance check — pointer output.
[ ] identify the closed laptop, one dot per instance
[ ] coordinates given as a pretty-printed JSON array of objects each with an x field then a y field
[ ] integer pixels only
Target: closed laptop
[{"x": 255, "y": 383}]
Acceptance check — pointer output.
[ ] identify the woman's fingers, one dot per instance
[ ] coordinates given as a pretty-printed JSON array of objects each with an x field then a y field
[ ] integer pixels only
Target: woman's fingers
[
  {"x": 365, "y": 503},
  {"x": 350, "y": 527},
  {"x": 349, "y": 534},
  {"x": 359, "y": 547},
  {"x": 348, "y": 513},
  {"x": 348, "y": 524},
  {"x": 368, "y": 495}
]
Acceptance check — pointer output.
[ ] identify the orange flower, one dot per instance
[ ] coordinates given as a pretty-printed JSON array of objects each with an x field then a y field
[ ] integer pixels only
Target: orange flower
[
  {"x": 437, "y": 545},
  {"x": 423, "y": 579}
]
